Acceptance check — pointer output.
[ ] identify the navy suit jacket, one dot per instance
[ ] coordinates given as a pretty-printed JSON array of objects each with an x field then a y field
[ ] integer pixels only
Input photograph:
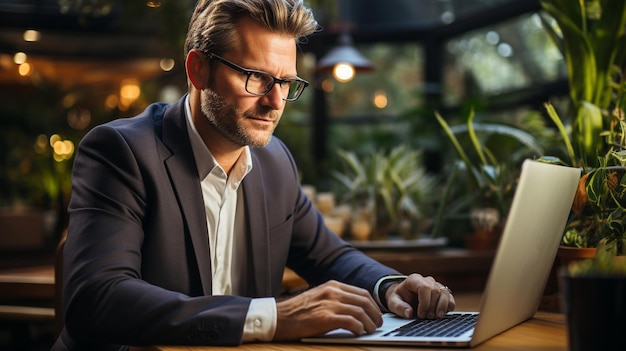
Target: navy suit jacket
[{"x": 137, "y": 267}]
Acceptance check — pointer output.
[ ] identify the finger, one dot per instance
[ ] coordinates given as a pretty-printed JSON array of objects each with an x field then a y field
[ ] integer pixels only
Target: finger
[
  {"x": 349, "y": 289},
  {"x": 445, "y": 301},
  {"x": 355, "y": 317},
  {"x": 356, "y": 320},
  {"x": 402, "y": 308},
  {"x": 435, "y": 299},
  {"x": 355, "y": 296},
  {"x": 442, "y": 305},
  {"x": 355, "y": 302},
  {"x": 427, "y": 295},
  {"x": 451, "y": 303},
  {"x": 401, "y": 300}
]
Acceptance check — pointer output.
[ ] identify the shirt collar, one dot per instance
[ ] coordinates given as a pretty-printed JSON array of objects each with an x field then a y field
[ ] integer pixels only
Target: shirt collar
[{"x": 203, "y": 156}]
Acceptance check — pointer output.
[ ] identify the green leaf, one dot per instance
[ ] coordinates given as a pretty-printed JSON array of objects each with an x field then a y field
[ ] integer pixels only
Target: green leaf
[
  {"x": 603, "y": 38},
  {"x": 559, "y": 125},
  {"x": 459, "y": 149},
  {"x": 472, "y": 133},
  {"x": 519, "y": 135},
  {"x": 586, "y": 132},
  {"x": 578, "y": 51}
]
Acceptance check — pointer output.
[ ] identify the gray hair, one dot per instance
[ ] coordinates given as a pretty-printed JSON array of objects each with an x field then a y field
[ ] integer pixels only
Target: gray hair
[{"x": 212, "y": 25}]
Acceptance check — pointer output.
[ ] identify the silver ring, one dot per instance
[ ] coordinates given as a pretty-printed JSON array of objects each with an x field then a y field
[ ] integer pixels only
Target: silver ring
[{"x": 443, "y": 287}]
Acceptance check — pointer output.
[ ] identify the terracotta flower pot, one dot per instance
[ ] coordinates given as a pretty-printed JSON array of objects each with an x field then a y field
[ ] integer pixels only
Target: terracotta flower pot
[{"x": 567, "y": 255}]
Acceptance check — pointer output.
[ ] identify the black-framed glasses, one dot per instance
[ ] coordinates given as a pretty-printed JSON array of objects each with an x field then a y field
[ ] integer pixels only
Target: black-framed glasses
[{"x": 260, "y": 83}]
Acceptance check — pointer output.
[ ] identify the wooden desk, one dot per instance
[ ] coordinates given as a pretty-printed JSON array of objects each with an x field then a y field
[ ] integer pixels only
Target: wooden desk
[{"x": 545, "y": 332}]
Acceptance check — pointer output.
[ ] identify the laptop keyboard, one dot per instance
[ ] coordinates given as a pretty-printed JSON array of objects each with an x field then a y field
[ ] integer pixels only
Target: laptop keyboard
[{"x": 451, "y": 325}]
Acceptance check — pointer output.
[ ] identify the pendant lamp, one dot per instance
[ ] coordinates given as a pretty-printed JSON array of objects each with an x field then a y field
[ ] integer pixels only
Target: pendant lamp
[{"x": 344, "y": 60}]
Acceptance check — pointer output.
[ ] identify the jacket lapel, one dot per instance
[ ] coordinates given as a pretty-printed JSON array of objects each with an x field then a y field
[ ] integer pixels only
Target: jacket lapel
[
  {"x": 183, "y": 173},
  {"x": 258, "y": 228}
]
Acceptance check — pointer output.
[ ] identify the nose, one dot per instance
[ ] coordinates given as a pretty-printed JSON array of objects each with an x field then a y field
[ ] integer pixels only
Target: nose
[{"x": 274, "y": 98}]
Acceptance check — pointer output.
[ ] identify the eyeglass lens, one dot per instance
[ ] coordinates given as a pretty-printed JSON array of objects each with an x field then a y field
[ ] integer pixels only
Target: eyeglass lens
[{"x": 259, "y": 83}]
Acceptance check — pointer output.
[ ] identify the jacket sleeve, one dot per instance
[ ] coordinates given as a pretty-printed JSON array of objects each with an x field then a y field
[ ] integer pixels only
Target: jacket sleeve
[{"x": 316, "y": 253}]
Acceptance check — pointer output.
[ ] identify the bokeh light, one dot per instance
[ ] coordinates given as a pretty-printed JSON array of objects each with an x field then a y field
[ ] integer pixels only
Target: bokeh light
[{"x": 343, "y": 72}]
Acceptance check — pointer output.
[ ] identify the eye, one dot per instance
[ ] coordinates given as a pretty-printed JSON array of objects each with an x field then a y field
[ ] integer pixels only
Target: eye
[{"x": 258, "y": 76}]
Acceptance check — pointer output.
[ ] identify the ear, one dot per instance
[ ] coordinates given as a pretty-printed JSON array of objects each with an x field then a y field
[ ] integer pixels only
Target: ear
[{"x": 197, "y": 69}]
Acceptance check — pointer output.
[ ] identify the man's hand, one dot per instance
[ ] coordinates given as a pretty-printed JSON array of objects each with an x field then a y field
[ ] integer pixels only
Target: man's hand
[
  {"x": 327, "y": 307},
  {"x": 420, "y": 295}
]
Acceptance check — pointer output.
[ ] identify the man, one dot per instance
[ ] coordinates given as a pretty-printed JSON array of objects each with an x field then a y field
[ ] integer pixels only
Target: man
[{"x": 183, "y": 219}]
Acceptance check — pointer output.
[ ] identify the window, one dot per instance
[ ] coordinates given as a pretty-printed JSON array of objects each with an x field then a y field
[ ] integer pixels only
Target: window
[{"x": 512, "y": 55}]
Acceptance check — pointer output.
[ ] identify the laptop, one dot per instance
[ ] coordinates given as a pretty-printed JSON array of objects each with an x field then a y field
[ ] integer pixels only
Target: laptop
[{"x": 520, "y": 270}]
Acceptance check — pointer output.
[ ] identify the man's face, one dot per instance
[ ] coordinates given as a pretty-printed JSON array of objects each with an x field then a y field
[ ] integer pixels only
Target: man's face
[{"x": 242, "y": 118}]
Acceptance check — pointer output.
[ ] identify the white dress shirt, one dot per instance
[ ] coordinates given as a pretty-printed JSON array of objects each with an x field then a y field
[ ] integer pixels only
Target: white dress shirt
[{"x": 225, "y": 216}]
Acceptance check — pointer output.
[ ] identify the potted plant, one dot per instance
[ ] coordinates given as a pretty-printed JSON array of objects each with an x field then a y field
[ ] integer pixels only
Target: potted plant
[
  {"x": 590, "y": 35},
  {"x": 594, "y": 291},
  {"x": 489, "y": 180},
  {"x": 598, "y": 212},
  {"x": 391, "y": 191},
  {"x": 593, "y": 42}
]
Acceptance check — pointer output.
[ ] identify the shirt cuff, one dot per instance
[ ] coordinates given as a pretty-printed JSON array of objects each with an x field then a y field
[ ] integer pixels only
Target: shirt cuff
[
  {"x": 260, "y": 324},
  {"x": 386, "y": 279}
]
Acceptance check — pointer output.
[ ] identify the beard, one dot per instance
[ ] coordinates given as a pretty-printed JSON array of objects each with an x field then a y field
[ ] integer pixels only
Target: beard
[{"x": 227, "y": 120}]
